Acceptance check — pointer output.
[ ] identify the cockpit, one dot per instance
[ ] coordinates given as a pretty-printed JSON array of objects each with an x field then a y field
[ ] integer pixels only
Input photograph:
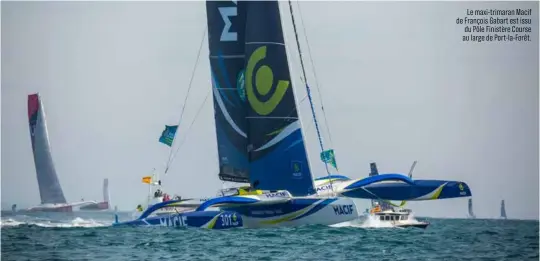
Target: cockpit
[{"x": 246, "y": 190}]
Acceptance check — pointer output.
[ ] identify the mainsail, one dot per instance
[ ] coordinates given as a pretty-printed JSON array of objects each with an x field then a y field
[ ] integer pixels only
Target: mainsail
[
  {"x": 503, "y": 210},
  {"x": 49, "y": 187},
  {"x": 226, "y": 32},
  {"x": 106, "y": 192},
  {"x": 105, "y": 204},
  {"x": 471, "y": 213},
  {"x": 278, "y": 157},
  {"x": 258, "y": 130}
]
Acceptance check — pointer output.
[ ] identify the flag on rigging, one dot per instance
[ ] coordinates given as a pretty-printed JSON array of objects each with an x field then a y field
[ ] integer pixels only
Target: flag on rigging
[
  {"x": 147, "y": 179},
  {"x": 327, "y": 156},
  {"x": 167, "y": 136}
]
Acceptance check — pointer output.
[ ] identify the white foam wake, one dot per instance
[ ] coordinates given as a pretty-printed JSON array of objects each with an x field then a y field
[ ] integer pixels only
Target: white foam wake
[
  {"x": 369, "y": 221},
  {"x": 76, "y": 222}
]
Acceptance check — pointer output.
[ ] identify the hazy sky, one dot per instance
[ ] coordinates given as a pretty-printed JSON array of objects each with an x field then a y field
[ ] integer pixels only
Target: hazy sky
[{"x": 398, "y": 85}]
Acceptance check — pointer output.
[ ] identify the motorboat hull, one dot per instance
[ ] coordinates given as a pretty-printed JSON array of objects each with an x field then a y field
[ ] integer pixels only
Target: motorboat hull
[{"x": 416, "y": 225}]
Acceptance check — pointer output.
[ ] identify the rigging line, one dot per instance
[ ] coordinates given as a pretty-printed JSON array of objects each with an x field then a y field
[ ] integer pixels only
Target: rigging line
[
  {"x": 315, "y": 74},
  {"x": 192, "y": 122},
  {"x": 171, "y": 156},
  {"x": 304, "y": 74},
  {"x": 296, "y": 107},
  {"x": 307, "y": 86}
]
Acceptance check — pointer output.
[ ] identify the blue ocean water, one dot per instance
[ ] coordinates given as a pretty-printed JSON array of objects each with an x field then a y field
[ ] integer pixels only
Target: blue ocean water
[{"x": 87, "y": 236}]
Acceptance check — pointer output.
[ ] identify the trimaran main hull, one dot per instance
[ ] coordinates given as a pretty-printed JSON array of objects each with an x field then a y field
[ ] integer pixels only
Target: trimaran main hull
[{"x": 252, "y": 212}]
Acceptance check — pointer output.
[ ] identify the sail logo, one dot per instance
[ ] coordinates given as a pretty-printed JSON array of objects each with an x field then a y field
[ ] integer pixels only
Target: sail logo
[
  {"x": 173, "y": 221},
  {"x": 462, "y": 191},
  {"x": 226, "y": 14},
  {"x": 296, "y": 169},
  {"x": 264, "y": 82},
  {"x": 241, "y": 85},
  {"x": 340, "y": 210}
]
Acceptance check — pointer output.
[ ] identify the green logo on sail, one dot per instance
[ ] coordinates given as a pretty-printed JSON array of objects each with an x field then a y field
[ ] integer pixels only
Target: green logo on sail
[
  {"x": 327, "y": 156},
  {"x": 241, "y": 85}
]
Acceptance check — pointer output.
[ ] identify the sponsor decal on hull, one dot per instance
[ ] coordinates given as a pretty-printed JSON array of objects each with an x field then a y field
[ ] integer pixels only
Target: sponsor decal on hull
[{"x": 340, "y": 210}]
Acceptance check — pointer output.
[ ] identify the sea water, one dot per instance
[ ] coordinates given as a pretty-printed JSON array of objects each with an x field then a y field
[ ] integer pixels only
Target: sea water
[{"x": 89, "y": 236}]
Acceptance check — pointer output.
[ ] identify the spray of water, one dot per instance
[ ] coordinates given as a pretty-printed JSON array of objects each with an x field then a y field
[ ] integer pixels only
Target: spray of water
[{"x": 76, "y": 222}]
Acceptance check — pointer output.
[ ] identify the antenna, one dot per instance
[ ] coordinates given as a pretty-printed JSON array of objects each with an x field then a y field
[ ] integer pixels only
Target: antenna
[{"x": 412, "y": 169}]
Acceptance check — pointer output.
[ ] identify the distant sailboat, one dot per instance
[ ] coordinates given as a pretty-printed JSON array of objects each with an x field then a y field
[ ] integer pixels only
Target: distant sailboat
[
  {"x": 471, "y": 213},
  {"x": 105, "y": 205},
  {"x": 50, "y": 191},
  {"x": 503, "y": 210}
]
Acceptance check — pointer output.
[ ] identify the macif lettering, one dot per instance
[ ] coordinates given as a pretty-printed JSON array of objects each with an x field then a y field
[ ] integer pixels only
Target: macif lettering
[
  {"x": 343, "y": 209},
  {"x": 173, "y": 221},
  {"x": 325, "y": 187},
  {"x": 523, "y": 12},
  {"x": 277, "y": 194}
]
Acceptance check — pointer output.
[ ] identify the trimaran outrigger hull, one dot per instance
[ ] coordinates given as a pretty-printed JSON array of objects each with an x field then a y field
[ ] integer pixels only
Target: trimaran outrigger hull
[{"x": 392, "y": 187}]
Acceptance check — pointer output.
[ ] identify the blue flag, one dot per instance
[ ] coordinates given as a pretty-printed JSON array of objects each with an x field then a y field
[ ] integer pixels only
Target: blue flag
[{"x": 167, "y": 136}]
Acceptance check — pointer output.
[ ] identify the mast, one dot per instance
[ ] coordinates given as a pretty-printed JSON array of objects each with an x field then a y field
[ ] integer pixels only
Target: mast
[
  {"x": 292, "y": 72},
  {"x": 307, "y": 88}
]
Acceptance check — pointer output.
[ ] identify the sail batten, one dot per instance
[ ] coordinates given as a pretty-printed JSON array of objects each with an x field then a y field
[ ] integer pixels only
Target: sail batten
[{"x": 50, "y": 190}]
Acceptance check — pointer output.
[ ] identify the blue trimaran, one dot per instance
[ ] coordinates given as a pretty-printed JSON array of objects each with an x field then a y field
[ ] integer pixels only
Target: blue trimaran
[{"x": 260, "y": 138}]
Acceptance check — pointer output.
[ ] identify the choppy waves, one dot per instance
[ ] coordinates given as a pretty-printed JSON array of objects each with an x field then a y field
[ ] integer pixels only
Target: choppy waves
[
  {"x": 76, "y": 222},
  {"x": 88, "y": 236}
]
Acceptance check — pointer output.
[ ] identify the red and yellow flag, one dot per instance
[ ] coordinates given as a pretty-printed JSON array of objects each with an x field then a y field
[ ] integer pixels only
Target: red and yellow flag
[{"x": 147, "y": 179}]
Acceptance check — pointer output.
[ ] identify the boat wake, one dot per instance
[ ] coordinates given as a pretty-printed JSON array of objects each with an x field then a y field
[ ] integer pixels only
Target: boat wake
[
  {"x": 40, "y": 222},
  {"x": 365, "y": 222},
  {"x": 369, "y": 221}
]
